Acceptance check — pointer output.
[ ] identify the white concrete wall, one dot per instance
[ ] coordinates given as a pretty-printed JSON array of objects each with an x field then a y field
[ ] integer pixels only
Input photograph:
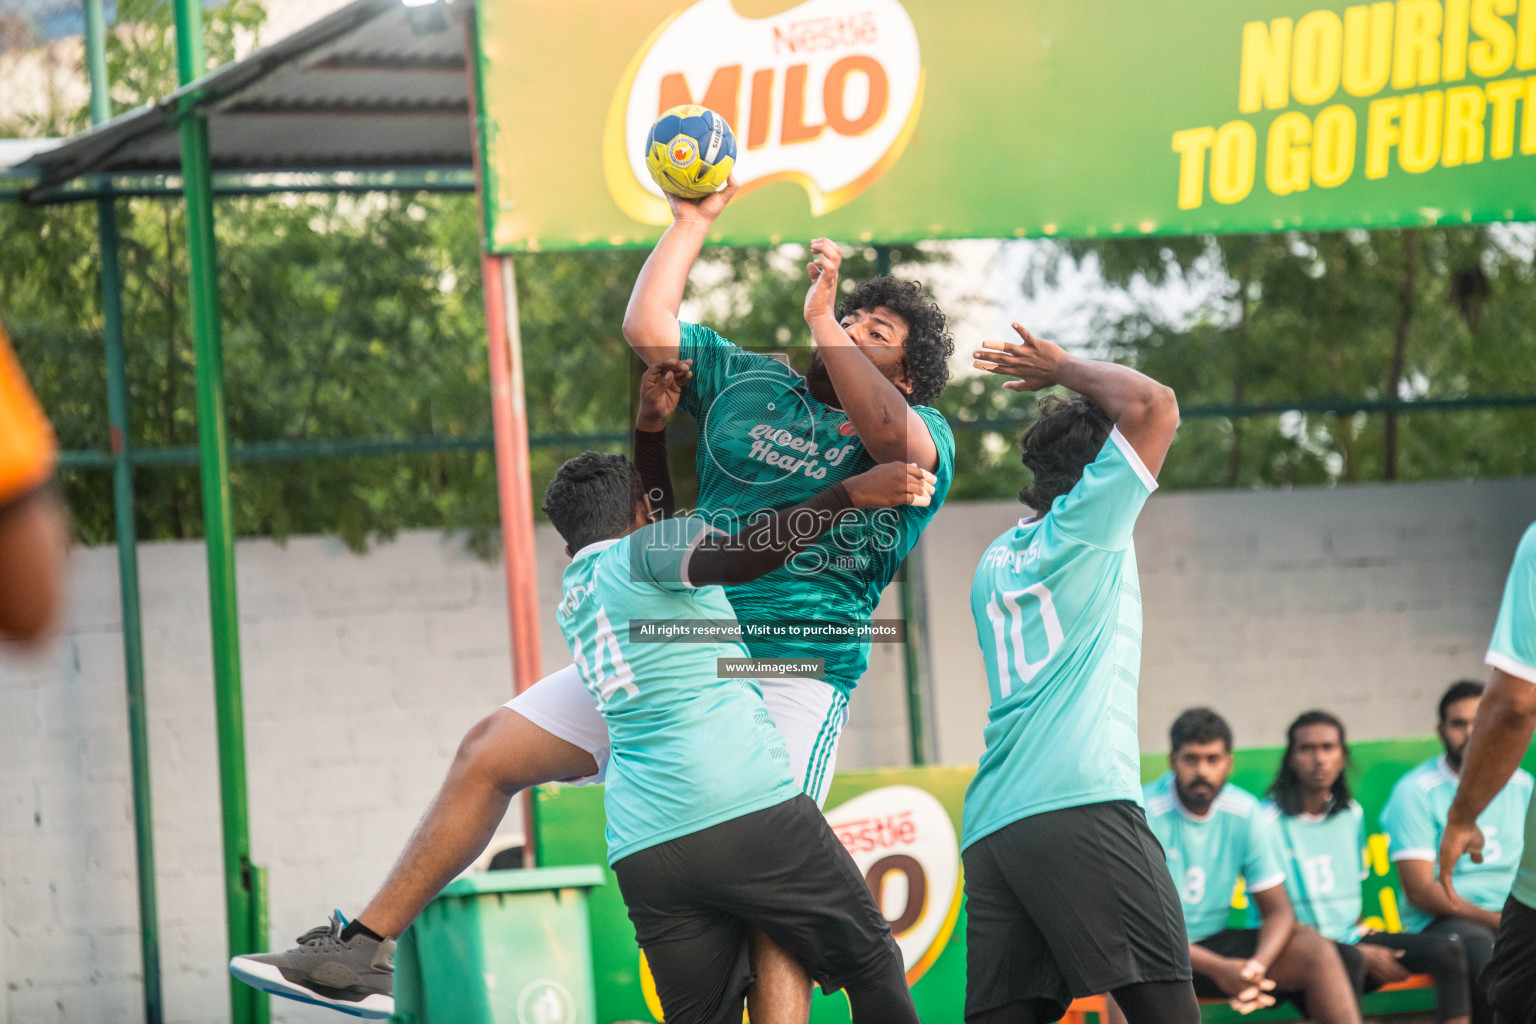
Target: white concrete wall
[
  {"x": 362, "y": 673},
  {"x": 1368, "y": 601}
]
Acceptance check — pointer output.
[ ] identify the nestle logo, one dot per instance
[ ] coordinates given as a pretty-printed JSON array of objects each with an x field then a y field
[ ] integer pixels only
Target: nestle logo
[
  {"x": 814, "y": 34},
  {"x": 883, "y": 832}
]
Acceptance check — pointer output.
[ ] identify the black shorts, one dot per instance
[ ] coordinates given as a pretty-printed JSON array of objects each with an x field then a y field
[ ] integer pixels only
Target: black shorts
[
  {"x": 1069, "y": 903},
  {"x": 1510, "y": 976},
  {"x": 782, "y": 869}
]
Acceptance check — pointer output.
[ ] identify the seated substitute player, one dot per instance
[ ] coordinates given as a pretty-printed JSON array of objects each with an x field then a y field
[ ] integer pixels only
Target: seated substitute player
[
  {"x": 1415, "y": 817},
  {"x": 707, "y": 830},
  {"x": 1505, "y": 721},
  {"x": 1213, "y": 834},
  {"x": 1065, "y": 890},
  {"x": 33, "y": 534},
  {"x": 1320, "y": 836}
]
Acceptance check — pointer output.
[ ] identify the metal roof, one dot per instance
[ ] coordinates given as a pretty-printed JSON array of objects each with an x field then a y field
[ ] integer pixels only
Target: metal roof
[
  {"x": 377, "y": 84},
  {"x": 16, "y": 151}
]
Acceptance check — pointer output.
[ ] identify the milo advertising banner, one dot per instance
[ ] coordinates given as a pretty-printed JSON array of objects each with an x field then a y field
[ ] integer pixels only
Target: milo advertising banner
[
  {"x": 902, "y": 826},
  {"x": 893, "y": 120}
]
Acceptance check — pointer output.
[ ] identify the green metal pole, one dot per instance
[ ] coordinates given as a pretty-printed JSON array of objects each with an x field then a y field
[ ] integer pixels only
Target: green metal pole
[
  {"x": 909, "y": 587},
  {"x": 246, "y": 1003},
  {"x": 96, "y": 61},
  {"x": 127, "y": 540}
]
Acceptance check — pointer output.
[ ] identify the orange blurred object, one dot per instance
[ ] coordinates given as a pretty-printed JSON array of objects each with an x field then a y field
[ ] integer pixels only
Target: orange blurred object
[{"x": 28, "y": 450}]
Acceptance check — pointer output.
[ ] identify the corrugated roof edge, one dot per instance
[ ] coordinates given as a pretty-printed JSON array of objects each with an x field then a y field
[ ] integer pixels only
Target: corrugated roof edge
[{"x": 79, "y": 154}]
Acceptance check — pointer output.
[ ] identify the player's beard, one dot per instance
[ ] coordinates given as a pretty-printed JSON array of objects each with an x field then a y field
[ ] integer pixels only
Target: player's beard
[
  {"x": 1454, "y": 755},
  {"x": 819, "y": 382},
  {"x": 1195, "y": 804}
]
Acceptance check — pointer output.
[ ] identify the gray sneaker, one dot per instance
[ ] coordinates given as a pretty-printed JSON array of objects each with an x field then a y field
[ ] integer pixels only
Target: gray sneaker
[{"x": 356, "y": 976}]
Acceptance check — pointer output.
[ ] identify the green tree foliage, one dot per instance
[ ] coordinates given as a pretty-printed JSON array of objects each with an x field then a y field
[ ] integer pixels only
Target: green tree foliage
[
  {"x": 362, "y": 317},
  {"x": 344, "y": 318},
  {"x": 1427, "y": 313}
]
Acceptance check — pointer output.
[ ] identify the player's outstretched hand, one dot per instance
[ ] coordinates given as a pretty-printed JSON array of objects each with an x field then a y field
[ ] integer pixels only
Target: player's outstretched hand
[
  {"x": 706, "y": 209},
  {"x": 891, "y": 483},
  {"x": 1034, "y": 361},
  {"x": 821, "y": 299},
  {"x": 1459, "y": 838},
  {"x": 661, "y": 387}
]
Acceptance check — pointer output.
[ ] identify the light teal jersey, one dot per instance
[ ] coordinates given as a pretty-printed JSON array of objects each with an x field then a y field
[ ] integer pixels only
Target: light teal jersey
[
  {"x": 1324, "y": 859},
  {"x": 1414, "y": 820},
  {"x": 1513, "y": 651},
  {"x": 688, "y": 749},
  {"x": 1057, "y": 608},
  {"x": 1206, "y": 856},
  {"x": 766, "y": 443}
]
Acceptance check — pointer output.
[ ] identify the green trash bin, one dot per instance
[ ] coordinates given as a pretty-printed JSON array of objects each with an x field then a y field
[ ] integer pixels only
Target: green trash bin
[{"x": 501, "y": 947}]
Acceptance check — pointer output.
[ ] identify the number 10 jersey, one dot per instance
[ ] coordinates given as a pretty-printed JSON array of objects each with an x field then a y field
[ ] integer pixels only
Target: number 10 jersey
[{"x": 1057, "y": 607}]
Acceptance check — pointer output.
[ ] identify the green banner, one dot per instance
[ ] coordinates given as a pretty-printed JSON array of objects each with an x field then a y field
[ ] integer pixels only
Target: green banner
[
  {"x": 901, "y": 827},
  {"x": 894, "y": 120}
]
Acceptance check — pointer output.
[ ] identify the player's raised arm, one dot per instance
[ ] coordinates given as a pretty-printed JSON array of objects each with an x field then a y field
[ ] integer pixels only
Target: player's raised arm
[
  {"x": 1146, "y": 412},
  {"x": 877, "y": 408},
  {"x": 772, "y": 541},
  {"x": 661, "y": 387},
  {"x": 650, "y": 322}
]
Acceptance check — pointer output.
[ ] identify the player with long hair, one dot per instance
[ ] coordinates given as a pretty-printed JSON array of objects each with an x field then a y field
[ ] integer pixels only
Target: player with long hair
[{"x": 1319, "y": 835}]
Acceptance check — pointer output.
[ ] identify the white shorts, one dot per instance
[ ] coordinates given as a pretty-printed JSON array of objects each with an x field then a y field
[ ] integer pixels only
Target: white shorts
[{"x": 809, "y": 713}]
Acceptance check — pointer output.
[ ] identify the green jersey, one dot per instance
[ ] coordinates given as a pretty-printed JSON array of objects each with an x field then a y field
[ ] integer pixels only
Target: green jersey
[
  {"x": 1513, "y": 651},
  {"x": 1324, "y": 858},
  {"x": 1206, "y": 855},
  {"x": 688, "y": 749},
  {"x": 1057, "y": 609},
  {"x": 1414, "y": 820},
  {"x": 767, "y": 443}
]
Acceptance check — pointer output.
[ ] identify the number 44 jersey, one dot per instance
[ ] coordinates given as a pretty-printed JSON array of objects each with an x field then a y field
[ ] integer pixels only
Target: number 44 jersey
[{"x": 1057, "y": 607}]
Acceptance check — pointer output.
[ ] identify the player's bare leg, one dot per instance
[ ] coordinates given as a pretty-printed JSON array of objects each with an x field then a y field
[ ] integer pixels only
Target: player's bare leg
[
  {"x": 1310, "y": 964},
  {"x": 501, "y": 755},
  {"x": 782, "y": 992}
]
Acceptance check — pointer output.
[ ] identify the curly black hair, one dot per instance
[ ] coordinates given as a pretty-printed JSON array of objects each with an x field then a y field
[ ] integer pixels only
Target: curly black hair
[
  {"x": 1059, "y": 445},
  {"x": 593, "y": 497},
  {"x": 929, "y": 346}
]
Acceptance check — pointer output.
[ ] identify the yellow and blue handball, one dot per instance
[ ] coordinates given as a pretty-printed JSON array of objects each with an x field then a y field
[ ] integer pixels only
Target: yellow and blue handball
[{"x": 690, "y": 151}]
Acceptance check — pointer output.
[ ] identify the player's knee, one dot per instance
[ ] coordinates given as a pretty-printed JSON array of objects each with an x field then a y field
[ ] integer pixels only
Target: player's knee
[
  {"x": 1478, "y": 943},
  {"x": 1448, "y": 960},
  {"x": 1315, "y": 954},
  {"x": 477, "y": 753}
]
